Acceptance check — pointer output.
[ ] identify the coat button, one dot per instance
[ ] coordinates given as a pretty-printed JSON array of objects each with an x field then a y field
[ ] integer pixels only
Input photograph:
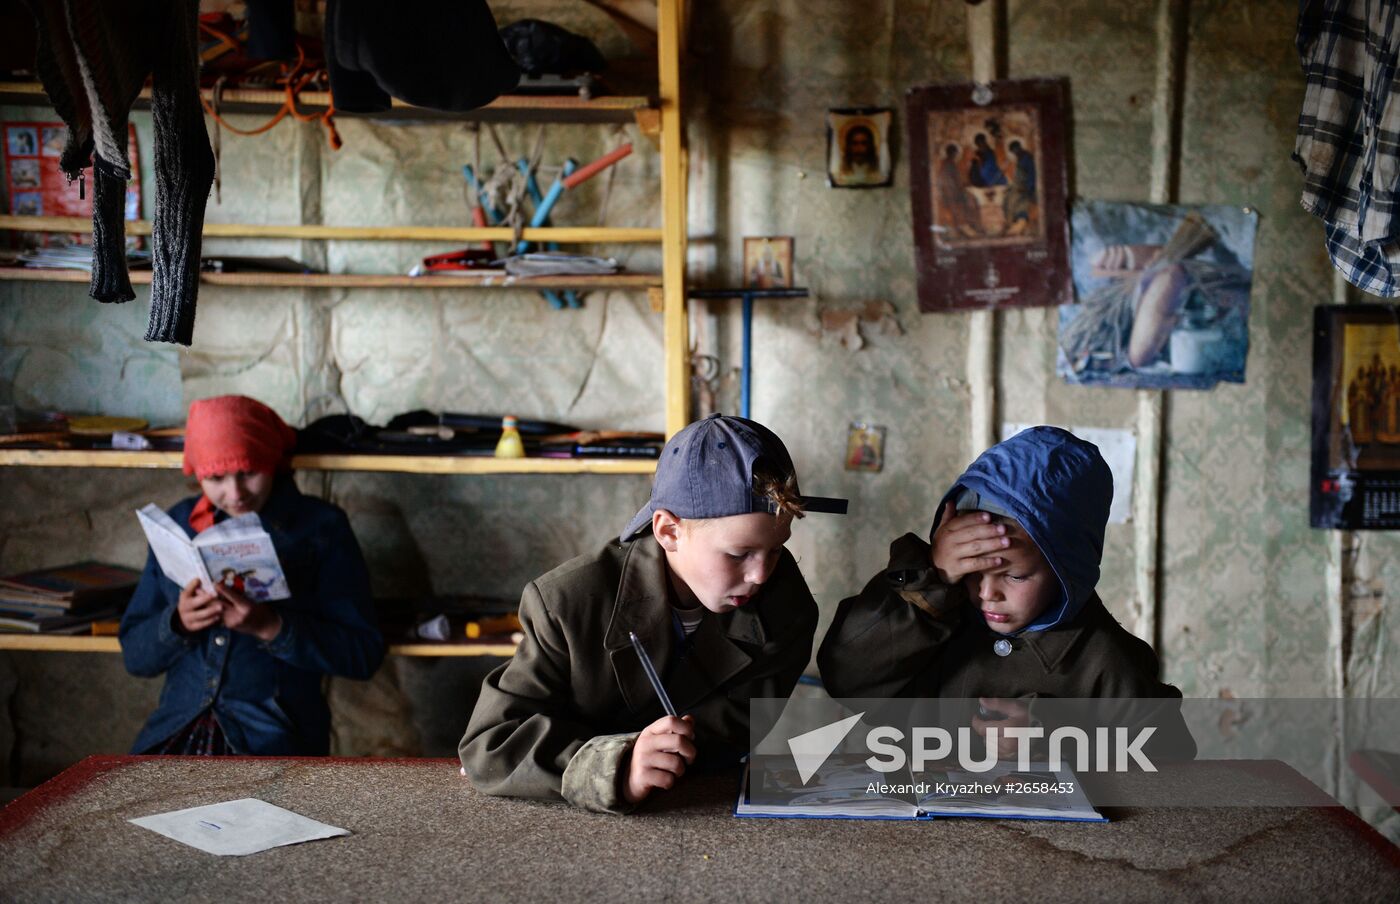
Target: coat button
[
  {"x": 221, "y": 640},
  {"x": 1002, "y": 647}
]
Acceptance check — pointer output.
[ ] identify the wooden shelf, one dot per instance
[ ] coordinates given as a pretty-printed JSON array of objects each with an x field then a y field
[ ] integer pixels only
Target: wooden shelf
[
  {"x": 87, "y": 458},
  {"x": 360, "y": 280},
  {"x": 450, "y": 464},
  {"x": 403, "y": 464},
  {"x": 452, "y": 649},
  {"x": 565, "y": 235},
  {"x": 62, "y": 643},
  {"x": 508, "y": 107}
]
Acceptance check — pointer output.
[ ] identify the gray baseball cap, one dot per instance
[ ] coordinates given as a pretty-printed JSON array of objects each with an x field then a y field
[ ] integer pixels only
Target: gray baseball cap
[{"x": 706, "y": 471}]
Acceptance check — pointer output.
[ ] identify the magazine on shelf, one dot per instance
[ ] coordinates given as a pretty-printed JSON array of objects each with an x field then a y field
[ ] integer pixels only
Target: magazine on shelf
[
  {"x": 68, "y": 588},
  {"x": 846, "y": 788},
  {"x": 236, "y": 553},
  {"x": 20, "y": 622}
]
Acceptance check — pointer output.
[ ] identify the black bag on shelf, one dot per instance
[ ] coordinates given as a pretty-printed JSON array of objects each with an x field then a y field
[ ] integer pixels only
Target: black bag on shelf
[
  {"x": 543, "y": 48},
  {"x": 336, "y": 433}
]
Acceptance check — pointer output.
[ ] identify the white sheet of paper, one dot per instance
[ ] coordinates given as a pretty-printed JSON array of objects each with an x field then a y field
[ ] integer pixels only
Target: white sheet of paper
[
  {"x": 237, "y": 827},
  {"x": 1118, "y": 448}
]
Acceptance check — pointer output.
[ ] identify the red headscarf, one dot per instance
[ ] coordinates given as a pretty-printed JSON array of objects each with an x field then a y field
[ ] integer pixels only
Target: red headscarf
[{"x": 233, "y": 433}]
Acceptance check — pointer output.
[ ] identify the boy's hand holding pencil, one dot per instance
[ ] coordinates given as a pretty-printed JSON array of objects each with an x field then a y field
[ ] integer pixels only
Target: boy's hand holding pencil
[
  {"x": 663, "y": 750},
  {"x": 665, "y": 747}
]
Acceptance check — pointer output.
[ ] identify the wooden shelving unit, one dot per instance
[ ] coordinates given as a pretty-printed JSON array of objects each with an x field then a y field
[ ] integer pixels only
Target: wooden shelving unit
[
  {"x": 60, "y": 643},
  {"x": 657, "y": 116}
]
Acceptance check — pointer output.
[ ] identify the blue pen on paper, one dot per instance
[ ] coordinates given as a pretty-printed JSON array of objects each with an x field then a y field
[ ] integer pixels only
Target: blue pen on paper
[
  {"x": 214, "y": 826},
  {"x": 651, "y": 674}
]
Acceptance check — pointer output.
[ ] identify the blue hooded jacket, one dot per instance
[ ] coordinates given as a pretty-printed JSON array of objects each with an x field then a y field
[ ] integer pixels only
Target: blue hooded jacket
[{"x": 1058, "y": 487}]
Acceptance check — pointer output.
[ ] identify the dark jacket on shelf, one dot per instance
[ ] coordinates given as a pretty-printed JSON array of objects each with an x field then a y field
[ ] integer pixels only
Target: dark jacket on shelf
[
  {"x": 266, "y": 696},
  {"x": 558, "y": 720},
  {"x": 419, "y": 51}
]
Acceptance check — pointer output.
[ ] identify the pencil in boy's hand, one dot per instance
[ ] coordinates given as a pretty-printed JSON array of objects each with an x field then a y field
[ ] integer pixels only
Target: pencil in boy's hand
[{"x": 651, "y": 674}]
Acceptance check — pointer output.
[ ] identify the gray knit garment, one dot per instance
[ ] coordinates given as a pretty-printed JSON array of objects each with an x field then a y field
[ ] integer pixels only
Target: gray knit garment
[{"x": 93, "y": 59}]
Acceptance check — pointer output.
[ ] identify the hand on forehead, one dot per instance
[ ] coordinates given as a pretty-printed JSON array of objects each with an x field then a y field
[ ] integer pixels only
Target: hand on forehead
[{"x": 1021, "y": 547}]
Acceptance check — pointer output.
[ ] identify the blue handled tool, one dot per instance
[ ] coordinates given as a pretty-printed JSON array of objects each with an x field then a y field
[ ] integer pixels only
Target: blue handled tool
[
  {"x": 573, "y": 181},
  {"x": 495, "y": 215},
  {"x": 533, "y": 187},
  {"x": 543, "y": 208}
]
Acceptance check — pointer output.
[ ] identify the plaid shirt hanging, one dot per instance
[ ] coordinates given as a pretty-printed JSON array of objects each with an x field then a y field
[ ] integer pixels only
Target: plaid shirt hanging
[{"x": 1349, "y": 135}]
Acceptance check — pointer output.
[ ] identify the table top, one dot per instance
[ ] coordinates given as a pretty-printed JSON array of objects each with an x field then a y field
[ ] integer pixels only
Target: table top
[{"x": 420, "y": 830}]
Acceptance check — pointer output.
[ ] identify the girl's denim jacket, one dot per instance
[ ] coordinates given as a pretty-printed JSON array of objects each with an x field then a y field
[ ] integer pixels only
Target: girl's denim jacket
[{"x": 266, "y": 695}]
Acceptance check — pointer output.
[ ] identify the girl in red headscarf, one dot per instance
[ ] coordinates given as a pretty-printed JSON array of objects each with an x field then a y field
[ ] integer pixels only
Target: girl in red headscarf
[{"x": 242, "y": 676}]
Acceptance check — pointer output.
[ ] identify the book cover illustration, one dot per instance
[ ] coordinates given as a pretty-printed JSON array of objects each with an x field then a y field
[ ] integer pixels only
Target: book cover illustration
[{"x": 236, "y": 553}]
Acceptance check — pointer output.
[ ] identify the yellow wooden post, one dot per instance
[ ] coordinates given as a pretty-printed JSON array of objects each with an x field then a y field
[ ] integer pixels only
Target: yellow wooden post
[{"x": 673, "y": 224}]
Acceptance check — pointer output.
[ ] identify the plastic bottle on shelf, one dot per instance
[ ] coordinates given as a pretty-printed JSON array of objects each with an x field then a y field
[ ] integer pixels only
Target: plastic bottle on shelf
[{"x": 510, "y": 444}]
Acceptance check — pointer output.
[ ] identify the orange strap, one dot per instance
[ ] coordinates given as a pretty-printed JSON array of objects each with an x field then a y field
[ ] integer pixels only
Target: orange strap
[{"x": 293, "y": 81}]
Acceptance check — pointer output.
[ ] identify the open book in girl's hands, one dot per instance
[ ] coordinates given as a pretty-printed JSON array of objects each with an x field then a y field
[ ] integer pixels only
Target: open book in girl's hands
[{"x": 236, "y": 553}]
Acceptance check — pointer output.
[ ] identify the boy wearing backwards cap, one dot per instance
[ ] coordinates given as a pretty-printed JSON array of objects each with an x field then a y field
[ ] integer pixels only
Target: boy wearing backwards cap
[
  {"x": 240, "y": 676},
  {"x": 701, "y": 576},
  {"x": 1000, "y": 605}
]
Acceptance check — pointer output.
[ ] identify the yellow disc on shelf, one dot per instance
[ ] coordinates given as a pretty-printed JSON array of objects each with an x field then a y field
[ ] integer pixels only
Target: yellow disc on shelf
[{"x": 104, "y": 425}]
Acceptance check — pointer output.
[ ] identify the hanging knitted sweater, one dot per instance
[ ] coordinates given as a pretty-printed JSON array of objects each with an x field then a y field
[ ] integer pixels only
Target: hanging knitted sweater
[{"x": 93, "y": 59}]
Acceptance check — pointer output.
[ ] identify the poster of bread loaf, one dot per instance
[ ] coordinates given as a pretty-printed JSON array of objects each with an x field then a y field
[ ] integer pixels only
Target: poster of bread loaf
[{"x": 1161, "y": 295}]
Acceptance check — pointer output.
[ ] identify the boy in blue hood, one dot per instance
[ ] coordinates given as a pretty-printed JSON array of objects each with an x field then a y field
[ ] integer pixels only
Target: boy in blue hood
[{"x": 1000, "y": 605}]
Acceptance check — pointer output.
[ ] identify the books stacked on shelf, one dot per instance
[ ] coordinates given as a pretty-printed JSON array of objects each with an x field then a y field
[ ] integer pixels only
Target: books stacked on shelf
[
  {"x": 75, "y": 257},
  {"x": 67, "y": 599}
]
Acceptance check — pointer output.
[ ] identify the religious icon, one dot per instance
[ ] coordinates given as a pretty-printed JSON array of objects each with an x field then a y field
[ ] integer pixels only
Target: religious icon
[
  {"x": 865, "y": 447},
  {"x": 858, "y": 147},
  {"x": 1356, "y": 417},
  {"x": 989, "y": 182},
  {"x": 768, "y": 262}
]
